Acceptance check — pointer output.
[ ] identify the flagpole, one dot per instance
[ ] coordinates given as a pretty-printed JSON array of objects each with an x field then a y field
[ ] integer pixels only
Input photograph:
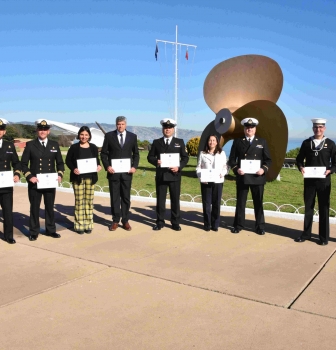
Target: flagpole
[{"x": 176, "y": 43}]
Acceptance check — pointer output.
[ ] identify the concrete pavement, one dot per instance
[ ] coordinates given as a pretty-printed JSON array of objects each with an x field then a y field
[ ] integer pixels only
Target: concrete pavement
[{"x": 165, "y": 290}]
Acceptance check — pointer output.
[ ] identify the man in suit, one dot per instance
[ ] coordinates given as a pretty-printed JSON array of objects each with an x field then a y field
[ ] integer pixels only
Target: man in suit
[
  {"x": 8, "y": 160},
  {"x": 168, "y": 177},
  {"x": 120, "y": 144},
  {"x": 41, "y": 156},
  {"x": 317, "y": 151},
  {"x": 253, "y": 148}
]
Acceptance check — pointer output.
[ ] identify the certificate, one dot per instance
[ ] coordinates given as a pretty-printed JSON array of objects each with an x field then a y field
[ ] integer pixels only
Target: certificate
[
  {"x": 6, "y": 179},
  {"x": 170, "y": 160},
  {"x": 121, "y": 165},
  {"x": 249, "y": 166},
  {"x": 88, "y": 165},
  {"x": 209, "y": 175},
  {"x": 49, "y": 180},
  {"x": 314, "y": 172}
]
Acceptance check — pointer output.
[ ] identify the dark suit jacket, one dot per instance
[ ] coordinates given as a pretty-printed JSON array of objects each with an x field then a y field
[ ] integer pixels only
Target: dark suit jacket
[
  {"x": 41, "y": 160},
  {"x": 258, "y": 150},
  {"x": 8, "y": 160},
  {"x": 112, "y": 150},
  {"x": 71, "y": 161},
  {"x": 176, "y": 146}
]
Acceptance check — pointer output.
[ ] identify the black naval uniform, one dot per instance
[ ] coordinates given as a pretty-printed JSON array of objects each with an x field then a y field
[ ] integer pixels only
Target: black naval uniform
[
  {"x": 41, "y": 160},
  {"x": 165, "y": 179},
  {"x": 257, "y": 150},
  {"x": 322, "y": 156},
  {"x": 8, "y": 160}
]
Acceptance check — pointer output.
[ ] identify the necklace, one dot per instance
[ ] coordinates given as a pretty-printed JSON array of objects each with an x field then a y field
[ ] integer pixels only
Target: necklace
[{"x": 321, "y": 147}]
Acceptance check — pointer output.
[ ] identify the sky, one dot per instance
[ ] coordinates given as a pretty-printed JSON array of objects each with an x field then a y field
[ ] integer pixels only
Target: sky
[{"x": 86, "y": 61}]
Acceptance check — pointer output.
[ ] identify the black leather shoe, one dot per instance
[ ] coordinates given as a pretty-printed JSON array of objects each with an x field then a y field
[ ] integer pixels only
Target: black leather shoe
[
  {"x": 260, "y": 232},
  {"x": 299, "y": 240},
  {"x": 88, "y": 231},
  {"x": 176, "y": 227},
  {"x": 54, "y": 235},
  {"x": 157, "y": 227},
  {"x": 32, "y": 237},
  {"x": 79, "y": 232},
  {"x": 11, "y": 240},
  {"x": 322, "y": 243},
  {"x": 235, "y": 230},
  {"x": 206, "y": 228},
  {"x": 214, "y": 229}
]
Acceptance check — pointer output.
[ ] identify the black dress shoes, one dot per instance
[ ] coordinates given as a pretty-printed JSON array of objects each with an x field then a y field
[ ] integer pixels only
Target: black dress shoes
[
  {"x": 11, "y": 240},
  {"x": 54, "y": 235},
  {"x": 80, "y": 232},
  {"x": 322, "y": 242},
  {"x": 260, "y": 232},
  {"x": 299, "y": 240},
  {"x": 235, "y": 230},
  {"x": 214, "y": 229},
  {"x": 206, "y": 228},
  {"x": 176, "y": 227},
  {"x": 157, "y": 227},
  {"x": 88, "y": 231},
  {"x": 32, "y": 237}
]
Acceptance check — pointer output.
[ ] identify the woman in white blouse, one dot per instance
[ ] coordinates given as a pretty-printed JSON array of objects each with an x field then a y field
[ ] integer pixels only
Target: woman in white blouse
[{"x": 212, "y": 157}]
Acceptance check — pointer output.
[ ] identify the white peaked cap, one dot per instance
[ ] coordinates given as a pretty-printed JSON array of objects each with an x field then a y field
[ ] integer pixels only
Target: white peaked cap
[
  {"x": 319, "y": 121},
  {"x": 250, "y": 122}
]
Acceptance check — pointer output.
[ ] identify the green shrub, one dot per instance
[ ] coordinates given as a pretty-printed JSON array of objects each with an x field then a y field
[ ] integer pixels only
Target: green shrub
[{"x": 192, "y": 146}]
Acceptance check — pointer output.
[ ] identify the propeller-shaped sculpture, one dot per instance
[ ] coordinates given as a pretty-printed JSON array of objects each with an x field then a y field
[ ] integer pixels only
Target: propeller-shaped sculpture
[{"x": 247, "y": 86}]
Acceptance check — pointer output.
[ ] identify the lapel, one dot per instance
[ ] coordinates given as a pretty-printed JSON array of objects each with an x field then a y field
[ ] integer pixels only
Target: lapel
[
  {"x": 115, "y": 138},
  {"x": 38, "y": 146},
  {"x": 128, "y": 138},
  {"x": 171, "y": 145},
  {"x": 162, "y": 143},
  {"x": 3, "y": 148},
  {"x": 253, "y": 145}
]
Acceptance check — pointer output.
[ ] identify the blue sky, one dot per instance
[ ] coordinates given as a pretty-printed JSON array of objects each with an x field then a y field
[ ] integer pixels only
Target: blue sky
[{"x": 94, "y": 60}]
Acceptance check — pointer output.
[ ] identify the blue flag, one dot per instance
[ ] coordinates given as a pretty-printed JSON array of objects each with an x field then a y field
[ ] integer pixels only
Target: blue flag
[{"x": 156, "y": 51}]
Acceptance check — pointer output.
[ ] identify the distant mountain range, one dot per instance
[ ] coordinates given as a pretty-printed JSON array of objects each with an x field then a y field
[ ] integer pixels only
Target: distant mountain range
[{"x": 143, "y": 132}]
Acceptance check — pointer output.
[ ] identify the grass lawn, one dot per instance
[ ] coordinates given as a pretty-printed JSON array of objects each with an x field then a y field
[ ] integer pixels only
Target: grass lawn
[{"x": 287, "y": 191}]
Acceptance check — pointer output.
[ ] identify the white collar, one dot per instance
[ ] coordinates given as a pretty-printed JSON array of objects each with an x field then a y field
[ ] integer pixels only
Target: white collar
[
  {"x": 251, "y": 138},
  {"x": 123, "y": 133},
  {"x": 45, "y": 141}
]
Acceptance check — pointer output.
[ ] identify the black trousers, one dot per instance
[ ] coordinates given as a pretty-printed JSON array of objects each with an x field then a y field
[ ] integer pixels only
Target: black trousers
[
  {"x": 211, "y": 201},
  {"x": 120, "y": 195},
  {"x": 161, "y": 196},
  {"x": 257, "y": 192},
  {"x": 322, "y": 190},
  {"x": 6, "y": 202},
  {"x": 35, "y": 197}
]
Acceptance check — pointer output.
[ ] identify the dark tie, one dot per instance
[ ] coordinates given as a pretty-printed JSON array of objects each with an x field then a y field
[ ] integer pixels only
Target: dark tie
[
  {"x": 121, "y": 141},
  {"x": 250, "y": 141},
  {"x": 43, "y": 145},
  {"x": 167, "y": 142}
]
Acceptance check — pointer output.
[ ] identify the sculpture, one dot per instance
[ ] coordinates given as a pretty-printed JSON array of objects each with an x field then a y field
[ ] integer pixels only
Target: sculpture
[{"x": 247, "y": 86}]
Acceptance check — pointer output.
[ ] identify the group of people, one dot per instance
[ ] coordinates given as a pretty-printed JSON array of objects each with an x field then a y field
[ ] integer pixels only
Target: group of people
[{"x": 43, "y": 156}]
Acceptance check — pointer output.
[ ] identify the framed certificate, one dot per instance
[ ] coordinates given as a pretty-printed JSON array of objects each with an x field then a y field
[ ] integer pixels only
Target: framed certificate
[
  {"x": 314, "y": 172},
  {"x": 249, "y": 166},
  {"x": 209, "y": 175},
  {"x": 6, "y": 179},
  {"x": 170, "y": 160},
  {"x": 88, "y": 165},
  {"x": 121, "y": 165},
  {"x": 49, "y": 180}
]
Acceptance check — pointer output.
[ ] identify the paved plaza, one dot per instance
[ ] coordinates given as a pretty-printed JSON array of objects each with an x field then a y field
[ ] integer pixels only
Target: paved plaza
[{"x": 147, "y": 289}]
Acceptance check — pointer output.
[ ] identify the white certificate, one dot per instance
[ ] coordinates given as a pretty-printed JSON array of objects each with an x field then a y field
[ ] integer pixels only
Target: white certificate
[
  {"x": 314, "y": 172},
  {"x": 6, "y": 179},
  {"x": 209, "y": 175},
  {"x": 121, "y": 165},
  {"x": 249, "y": 166},
  {"x": 88, "y": 165},
  {"x": 49, "y": 180},
  {"x": 170, "y": 160}
]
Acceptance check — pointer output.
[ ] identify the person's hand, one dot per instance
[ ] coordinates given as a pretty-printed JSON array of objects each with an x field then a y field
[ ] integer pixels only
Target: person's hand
[
  {"x": 99, "y": 168},
  {"x": 327, "y": 172},
  {"x": 76, "y": 171},
  {"x": 16, "y": 178},
  {"x": 260, "y": 172},
  {"x": 110, "y": 170},
  {"x": 302, "y": 169},
  {"x": 33, "y": 180},
  {"x": 59, "y": 179},
  {"x": 132, "y": 171},
  {"x": 174, "y": 169},
  {"x": 159, "y": 162},
  {"x": 240, "y": 172}
]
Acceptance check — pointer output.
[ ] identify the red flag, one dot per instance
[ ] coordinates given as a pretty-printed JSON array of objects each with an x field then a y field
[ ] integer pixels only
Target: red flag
[{"x": 187, "y": 55}]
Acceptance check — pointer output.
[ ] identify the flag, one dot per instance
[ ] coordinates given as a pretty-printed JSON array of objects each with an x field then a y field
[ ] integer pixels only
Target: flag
[
  {"x": 187, "y": 55},
  {"x": 156, "y": 51}
]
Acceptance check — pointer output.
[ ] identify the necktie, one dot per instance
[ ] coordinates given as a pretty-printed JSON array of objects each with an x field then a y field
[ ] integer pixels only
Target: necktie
[
  {"x": 167, "y": 142},
  {"x": 43, "y": 145},
  {"x": 250, "y": 141},
  {"x": 121, "y": 141}
]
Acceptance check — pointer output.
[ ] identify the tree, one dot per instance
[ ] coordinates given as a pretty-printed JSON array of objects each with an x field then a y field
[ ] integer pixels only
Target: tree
[
  {"x": 11, "y": 133},
  {"x": 293, "y": 153},
  {"x": 192, "y": 146}
]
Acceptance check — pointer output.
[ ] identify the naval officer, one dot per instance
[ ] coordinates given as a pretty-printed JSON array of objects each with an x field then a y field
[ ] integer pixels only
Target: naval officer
[
  {"x": 8, "y": 160},
  {"x": 168, "y": 177},
  {"x": 39, "y": 157},
  {"x": 317, "y": 151},
  {"x": 254, "y": 148}
]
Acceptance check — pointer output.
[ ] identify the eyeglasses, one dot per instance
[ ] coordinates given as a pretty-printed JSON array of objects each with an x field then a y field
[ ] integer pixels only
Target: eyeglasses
[{"x": 318, "y": 126}]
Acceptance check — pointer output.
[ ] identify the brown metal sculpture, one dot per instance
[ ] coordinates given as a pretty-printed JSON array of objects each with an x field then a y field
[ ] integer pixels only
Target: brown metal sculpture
[{"x": 247, "y": 86}]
